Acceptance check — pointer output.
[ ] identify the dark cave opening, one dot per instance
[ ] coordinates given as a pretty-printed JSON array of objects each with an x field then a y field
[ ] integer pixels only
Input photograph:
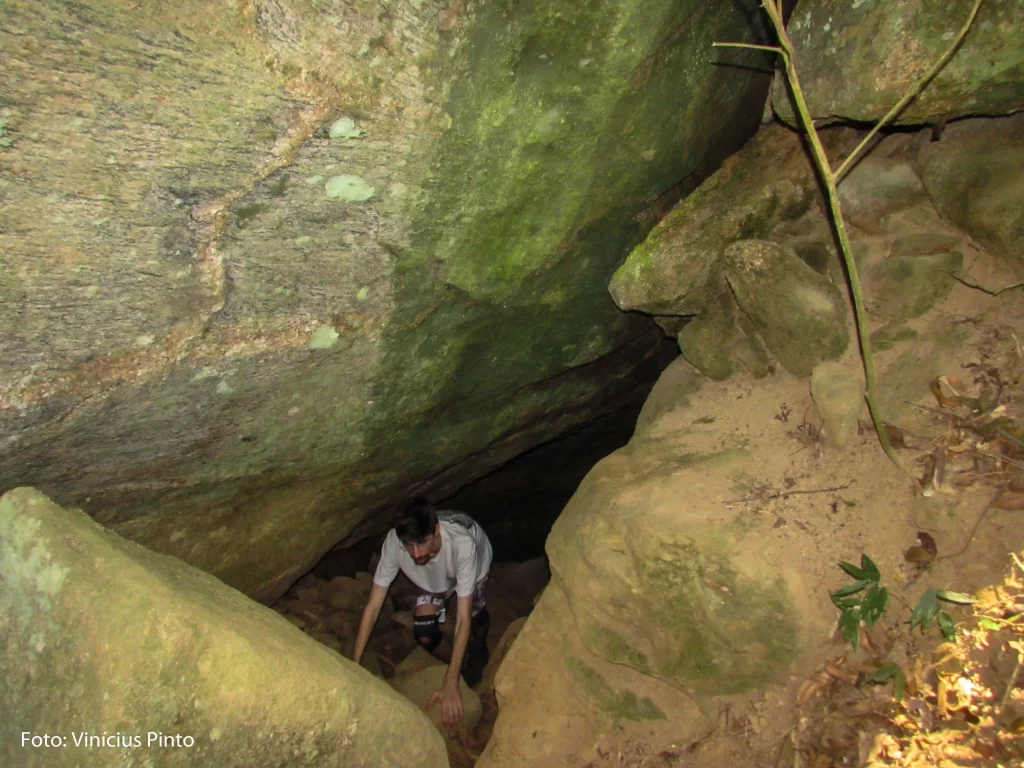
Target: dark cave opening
[{"x": 519, "y": 501}]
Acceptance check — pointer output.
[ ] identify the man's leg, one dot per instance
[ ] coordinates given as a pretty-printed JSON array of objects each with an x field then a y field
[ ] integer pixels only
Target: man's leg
[{"x": 477, "y": 654}]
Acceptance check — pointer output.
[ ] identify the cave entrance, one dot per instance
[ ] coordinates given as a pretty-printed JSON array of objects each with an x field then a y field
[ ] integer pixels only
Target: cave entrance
[{"x": 516, "y": 504}]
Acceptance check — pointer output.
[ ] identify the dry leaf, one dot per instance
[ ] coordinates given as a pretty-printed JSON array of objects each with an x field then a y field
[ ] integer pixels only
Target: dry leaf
[{"x": 843, "y": 675}]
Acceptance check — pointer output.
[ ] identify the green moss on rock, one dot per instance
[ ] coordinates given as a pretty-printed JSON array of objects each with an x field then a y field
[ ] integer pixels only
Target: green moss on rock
[
  {"x": 732, "y": 633},
  {"x": 552, "y": 115},
  {"x": 798, "y": 313},
  {"x": 904, "y": 287},
  {"x": 855, "y": 62},
  {"x": 614, "y": 704}
]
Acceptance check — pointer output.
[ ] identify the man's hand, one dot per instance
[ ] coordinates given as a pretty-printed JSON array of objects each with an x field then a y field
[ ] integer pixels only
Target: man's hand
[{"x": 451, "y": 703}]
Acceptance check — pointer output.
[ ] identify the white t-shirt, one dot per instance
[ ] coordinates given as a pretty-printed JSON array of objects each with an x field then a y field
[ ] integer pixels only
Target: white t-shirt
[{"x": 464, "y": 559}]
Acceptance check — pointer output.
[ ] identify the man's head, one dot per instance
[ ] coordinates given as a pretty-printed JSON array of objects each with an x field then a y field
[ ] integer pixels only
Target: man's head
[{"x": 418, "y": 530}]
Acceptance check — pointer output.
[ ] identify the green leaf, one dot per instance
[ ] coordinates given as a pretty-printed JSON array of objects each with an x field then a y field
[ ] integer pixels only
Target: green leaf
[
  {"x": 892, "y": 672},
  {"x": 849, "y": 624},
  {"x": 849, "y": 589},
  {"x": 883, "y": 673},
  {"x": 871, "y": 572},
  {"x": 954, "y": 597},
  {"x": 6, "y": 141},
  {"x": 926, "y": 610},
  {"x": 946, "y": 625},
  {"x": 853, "y": 570},
  {"x": 988, "y": 623},
  {"x": 873, "y": 605}
]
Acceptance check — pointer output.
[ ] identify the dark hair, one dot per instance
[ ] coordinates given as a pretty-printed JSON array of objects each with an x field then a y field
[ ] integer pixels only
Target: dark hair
[{"x": 416, "y": 521}]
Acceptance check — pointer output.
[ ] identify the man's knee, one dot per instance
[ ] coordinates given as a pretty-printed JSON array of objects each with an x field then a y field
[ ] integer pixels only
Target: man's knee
[{"x": 426, "y": 631}]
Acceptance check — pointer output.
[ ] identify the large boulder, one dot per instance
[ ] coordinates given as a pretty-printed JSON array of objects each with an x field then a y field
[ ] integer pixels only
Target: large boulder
[
  {"x": 975, "y": 176},
  {"x": 768, "y": 182},
  {"x": 881, "y": 183},
  {"x": 670, "y": 594},
  {"x": 419, "y": 676},
  {"x": 103, "y": 638},
  {"x": 655, "y": 584},
  {"x": 857, "y": 59},
  {"x": 745, "y": 273},
  {"x": 265, "y": 267},
  {"x": 798, "y": 312}
]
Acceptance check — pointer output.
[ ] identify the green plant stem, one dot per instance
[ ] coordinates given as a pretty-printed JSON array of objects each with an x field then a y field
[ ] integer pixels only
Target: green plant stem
[
  {"x": 909, "y": 96},
  {"x": 829, "y": 178}
]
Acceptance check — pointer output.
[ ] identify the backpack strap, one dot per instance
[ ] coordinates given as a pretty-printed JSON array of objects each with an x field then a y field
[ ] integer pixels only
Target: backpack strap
[{"x": 457, "y": 518}]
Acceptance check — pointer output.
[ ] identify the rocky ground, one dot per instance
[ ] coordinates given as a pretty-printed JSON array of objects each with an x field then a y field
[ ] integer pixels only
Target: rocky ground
[{"x": 328, "y": 609}]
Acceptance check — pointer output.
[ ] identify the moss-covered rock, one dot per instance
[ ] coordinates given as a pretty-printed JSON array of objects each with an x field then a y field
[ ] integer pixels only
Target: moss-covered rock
[
  {"x": 857, "y": 59},
  {"x": 904, "y": 287},
  {"x": 882, "y": 183},
  {"x": 274, "y": 267},
  {"x": 645, "y": 579},
  {"x": 721, "y": 340},
  {"x": 551, "y": 685},
  {"x": 706, "y": 343},
  {"x": 798, "y": 313},
  {"x": 103, "y": 637},
  {"x": 708, "y": 340},
  {"x": 975, "y": 177},
  {"x": 888, "y": 336},
  {"x": 769, "y": 181}
]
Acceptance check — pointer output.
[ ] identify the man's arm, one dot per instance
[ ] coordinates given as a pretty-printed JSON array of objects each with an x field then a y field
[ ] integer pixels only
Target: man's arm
[
  {"x": 369, "y": 620},
  {"x": 449, "y": 694}
]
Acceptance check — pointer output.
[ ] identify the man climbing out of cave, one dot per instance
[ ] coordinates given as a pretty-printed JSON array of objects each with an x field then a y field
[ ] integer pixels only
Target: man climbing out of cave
[{"x": 442, "y": 553}]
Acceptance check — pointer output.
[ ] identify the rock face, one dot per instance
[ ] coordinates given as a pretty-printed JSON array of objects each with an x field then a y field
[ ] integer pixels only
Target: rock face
[
  {"x": 975, "y": 175},
  {"x": 745, "y": 272},
  {"x": 265, "y": 268},
  {"x": 797, "y": 312},
  {"x": 419, "y": 676},
  {"x": 102, "y": 635},
  {"x": 856, "y": 60},
  {"x": 750, "y": 302},
  {"x": 768, "y": 182},
  {"x": 645, "y": 580},
  {"x": 659, "y": 597}
]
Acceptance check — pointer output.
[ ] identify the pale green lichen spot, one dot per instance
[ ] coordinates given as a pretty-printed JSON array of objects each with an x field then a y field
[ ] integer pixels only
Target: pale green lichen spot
[
  {"x": 324, "y": 337},
  {"x": 345, "y": 128},
  {"x": 351, "y": 189}
]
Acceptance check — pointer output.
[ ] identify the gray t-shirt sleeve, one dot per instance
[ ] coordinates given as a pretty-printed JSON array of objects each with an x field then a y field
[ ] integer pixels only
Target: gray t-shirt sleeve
[
  {"x": 466, "y": 567},
  {"x": 387, "y": 568}
]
